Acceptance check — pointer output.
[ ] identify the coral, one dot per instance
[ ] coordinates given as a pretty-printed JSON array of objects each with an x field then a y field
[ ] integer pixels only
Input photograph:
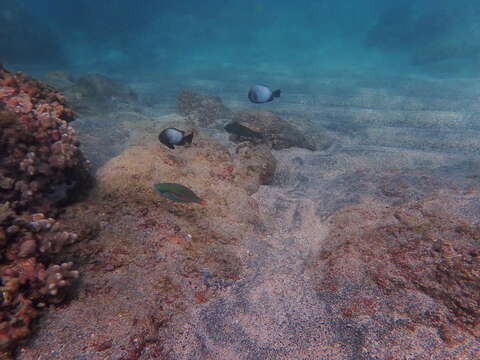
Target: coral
[
  {"x": 207, "y": 169},
  {"x": 55, "y": 279},
  {"x": 40, "y": 151},
  {"x": 29, "y": 242},
  {"x": 209, "y": 111},
  {"x": 40, "y": 166},
  {"x": 93, "y": 94}
]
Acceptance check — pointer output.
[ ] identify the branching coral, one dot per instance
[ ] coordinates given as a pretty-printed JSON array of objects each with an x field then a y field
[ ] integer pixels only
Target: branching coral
[
  {"x": 39, "y": 150},
  {"x": 40, "y": 162},
  {"x": 28, "y": 280}
]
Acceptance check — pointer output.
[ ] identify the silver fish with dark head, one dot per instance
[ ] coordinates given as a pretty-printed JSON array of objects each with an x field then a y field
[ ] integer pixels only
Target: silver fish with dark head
[
  {"x": 171, "y": 136},
  {"x": 260, "y": 94}
]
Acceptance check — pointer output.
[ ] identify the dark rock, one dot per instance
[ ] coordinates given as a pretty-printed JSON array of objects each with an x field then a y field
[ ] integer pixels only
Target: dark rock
[
  {"x": 279, "y": 132},
  {"x": 93, "y": 94},
  {"x": 59, "y": 79},
  {"x": 203, "y": 110},
  {"x": 104, "y": 94}
]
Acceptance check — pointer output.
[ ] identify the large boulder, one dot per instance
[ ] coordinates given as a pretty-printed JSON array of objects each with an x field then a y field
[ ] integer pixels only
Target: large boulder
[
  {"x": 93, "y": 93},
  {"x": 202, "y": 110},
  {"x": 105, "y": 94}
]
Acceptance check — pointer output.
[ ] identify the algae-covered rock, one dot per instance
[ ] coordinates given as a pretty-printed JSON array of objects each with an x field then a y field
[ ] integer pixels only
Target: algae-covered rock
[
  {"x": 406, "y": 275},
  {"x": 59, "y": 79},
  {"x": 277, "y": 131},
  {"x": 202, "y": 110},
  {"x": 204, "y": 167}
]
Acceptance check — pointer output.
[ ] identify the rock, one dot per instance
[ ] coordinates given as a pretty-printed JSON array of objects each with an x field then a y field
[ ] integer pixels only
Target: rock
[
  {"x": 202, "y": 110},
  {"x": 406, "y": 277},
  {"x": 104, "y": 94},
  {"x": 205, "y": 167},
  {"x": 155, "y": 259},
  {"x": 254, "y": 165},
  {"x": 279, "y": 132},
  {"x": 93, "y": 94},
  {"x": 59, "y": 79}
]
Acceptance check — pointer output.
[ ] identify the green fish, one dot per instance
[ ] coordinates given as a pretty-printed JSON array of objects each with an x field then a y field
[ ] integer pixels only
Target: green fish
[{"x": 178, "y": 193}]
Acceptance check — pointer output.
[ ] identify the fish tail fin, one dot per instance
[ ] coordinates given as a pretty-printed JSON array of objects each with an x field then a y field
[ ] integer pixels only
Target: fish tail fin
[
  {"x": 277, "y": 93},
  {"x": 187, "y": 139},
  {"x": 202, "y": 202}
]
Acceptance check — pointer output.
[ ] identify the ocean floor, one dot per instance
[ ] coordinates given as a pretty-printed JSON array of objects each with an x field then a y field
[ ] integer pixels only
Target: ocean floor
[{"x": 366, "y": 248}]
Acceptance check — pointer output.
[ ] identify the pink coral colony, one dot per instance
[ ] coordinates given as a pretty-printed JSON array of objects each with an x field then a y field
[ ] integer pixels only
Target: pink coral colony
[{"x": 39, "y": 154}]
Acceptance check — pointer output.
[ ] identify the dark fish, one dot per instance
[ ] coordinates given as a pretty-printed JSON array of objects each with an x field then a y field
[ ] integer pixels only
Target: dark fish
[
  {"x": 172, "y": 136},
  {"x": 178, "y": 193},
  {"x": 259, "y": 94},
  {"x": 240, "y": 130}
]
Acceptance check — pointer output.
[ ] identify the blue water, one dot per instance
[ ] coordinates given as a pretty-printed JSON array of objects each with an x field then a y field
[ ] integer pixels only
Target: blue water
[{"x": 228, "y": 39}]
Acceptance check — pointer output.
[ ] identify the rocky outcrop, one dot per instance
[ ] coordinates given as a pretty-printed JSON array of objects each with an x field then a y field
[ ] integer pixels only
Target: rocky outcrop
[
  {"x": 155, "y": 258},
  {"x": 93, "y": 93},
  {"x": 202, "y": 110},
  {"x": 406, "y": 275},
  {"x": 279, "y": 133}
]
